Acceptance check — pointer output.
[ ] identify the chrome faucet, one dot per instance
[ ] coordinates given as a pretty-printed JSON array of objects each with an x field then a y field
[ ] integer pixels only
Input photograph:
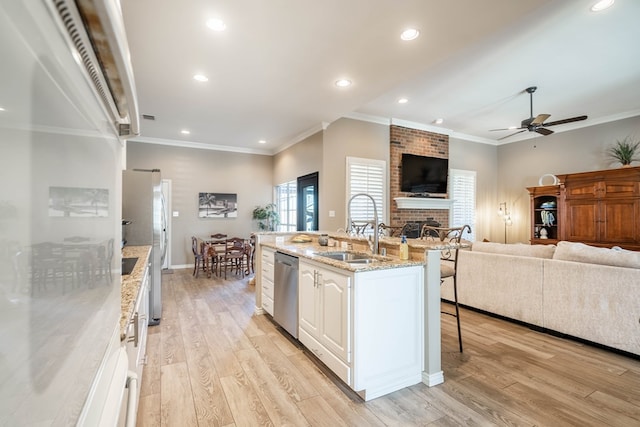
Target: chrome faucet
[{"x": 375, "y": 220}]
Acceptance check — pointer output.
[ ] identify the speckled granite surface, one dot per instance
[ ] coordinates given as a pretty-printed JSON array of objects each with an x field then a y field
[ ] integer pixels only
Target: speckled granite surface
[
  {"x": 360, "y": 244},
  {"x": 313, "y": 250},
  {"x": 131, "y": 283}
]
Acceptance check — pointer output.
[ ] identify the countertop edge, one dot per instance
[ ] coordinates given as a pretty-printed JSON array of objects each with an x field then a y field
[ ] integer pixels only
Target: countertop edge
[{"x": 130, "y": 284}]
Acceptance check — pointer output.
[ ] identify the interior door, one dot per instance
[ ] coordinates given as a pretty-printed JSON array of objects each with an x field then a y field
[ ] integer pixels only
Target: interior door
[{"x": 308, "y": 202}]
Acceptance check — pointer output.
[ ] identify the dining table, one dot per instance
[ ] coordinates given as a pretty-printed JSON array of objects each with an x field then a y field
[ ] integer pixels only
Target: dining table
[{"x": 214, "y": 248}]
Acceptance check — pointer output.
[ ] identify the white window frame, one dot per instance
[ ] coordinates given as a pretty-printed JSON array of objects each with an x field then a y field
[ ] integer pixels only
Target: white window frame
[
  {"x": 289, "y": 211},
  {"x": 366, "y": 176},
  {"x": 463, "y": 191}
]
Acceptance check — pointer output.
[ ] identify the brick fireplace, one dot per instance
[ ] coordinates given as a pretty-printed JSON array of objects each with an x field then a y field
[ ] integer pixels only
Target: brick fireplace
[{"x": 422, "y": 143}]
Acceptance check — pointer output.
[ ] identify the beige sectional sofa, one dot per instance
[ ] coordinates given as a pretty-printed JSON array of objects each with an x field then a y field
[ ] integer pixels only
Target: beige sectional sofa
[{"x": 582, "y": 291}]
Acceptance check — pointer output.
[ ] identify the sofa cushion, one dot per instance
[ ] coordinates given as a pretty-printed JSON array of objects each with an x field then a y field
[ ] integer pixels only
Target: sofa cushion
[
  {"x": 516, "y": 249},
  {"x": 579, "y": 252}
]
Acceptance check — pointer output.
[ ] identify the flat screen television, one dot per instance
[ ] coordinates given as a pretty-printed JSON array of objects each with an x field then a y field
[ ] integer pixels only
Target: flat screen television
[{"x": 426, "y": 175}]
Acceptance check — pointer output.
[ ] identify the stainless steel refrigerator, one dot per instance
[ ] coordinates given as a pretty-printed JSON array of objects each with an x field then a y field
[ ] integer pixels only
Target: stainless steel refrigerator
[{"x": 143, "y": 205}]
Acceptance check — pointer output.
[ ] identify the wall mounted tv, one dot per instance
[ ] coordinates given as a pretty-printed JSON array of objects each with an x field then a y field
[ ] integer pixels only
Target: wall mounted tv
[{"x": 424, "y": 175}]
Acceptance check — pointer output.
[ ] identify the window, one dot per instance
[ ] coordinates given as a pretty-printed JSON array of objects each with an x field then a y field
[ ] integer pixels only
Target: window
[
  {"x": 462, "y": 188},
  {"x": 286, "y": 203},
  {"x": 366, "y": 176}
]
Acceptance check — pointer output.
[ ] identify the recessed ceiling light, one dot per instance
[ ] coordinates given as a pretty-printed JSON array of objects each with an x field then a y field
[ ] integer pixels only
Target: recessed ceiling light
[
  {"x": 409, "y": 34},
  {"x": 602, "y": 5},
  {"x": 438, "y": 121},
  {"x": 185, "y": 132},
  {"x": 262, "y": 141},
  {"x": 216, "y": 24},
  {"x": 403, "y": 101},
  {"x": 512, "y": 127},
  {"x": 200, "y": 78},
  {"x": 2, "y": 109},
  {"x": 343, "y": 83}
]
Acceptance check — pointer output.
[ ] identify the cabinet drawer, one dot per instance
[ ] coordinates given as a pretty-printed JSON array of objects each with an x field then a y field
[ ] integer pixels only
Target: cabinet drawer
[
  {"x": 332, "y": 362},
  {"x": 267, "y": 287},
  {"x": 267, "y": 271},
  {"x": 267, "y": 303}
]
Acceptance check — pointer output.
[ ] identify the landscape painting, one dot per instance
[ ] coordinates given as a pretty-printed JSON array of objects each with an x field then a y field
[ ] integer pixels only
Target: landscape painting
[
  {"x": 78, "y": 202},
  {"x": 217, "y": 205}
]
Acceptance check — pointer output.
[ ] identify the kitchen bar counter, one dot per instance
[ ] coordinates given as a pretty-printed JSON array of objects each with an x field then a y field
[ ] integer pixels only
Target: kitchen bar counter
[
  {"x": 131, "y": 283},
  {"x": 314, "y": 251}
]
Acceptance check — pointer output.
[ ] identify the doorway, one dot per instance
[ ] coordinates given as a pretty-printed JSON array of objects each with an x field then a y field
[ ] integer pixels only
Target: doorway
[{"x": 308, "y": 202}]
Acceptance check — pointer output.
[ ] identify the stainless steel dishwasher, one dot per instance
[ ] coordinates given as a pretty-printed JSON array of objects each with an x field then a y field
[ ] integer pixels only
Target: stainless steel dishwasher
[{"x": 285, "y": 292}]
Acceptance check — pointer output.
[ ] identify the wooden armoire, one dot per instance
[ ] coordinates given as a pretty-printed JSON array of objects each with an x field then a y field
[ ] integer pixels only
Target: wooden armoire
[{"x": 600, "y": 208}]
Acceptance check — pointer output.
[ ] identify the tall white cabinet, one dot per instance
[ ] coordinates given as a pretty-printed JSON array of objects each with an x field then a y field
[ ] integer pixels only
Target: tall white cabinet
[{"x": 367, "y": 327}]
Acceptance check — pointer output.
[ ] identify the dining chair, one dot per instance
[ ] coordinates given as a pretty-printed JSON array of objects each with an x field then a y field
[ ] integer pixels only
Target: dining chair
[
  {"x": 216, "y": 246},
  {"x": 448, "y": 260},
  {"x": 234, "y": 256},
  {"x": 198, "y": 259},
  {"x": 251, "y": 253}
]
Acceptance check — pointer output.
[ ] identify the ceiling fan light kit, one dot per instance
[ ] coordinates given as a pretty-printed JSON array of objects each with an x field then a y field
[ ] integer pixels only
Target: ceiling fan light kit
[{"x": 537, "y": 124}]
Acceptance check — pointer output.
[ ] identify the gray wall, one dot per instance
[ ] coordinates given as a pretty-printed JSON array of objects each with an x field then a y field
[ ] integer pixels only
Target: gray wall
[
  {"x": 483, "y": 159},
  {"x": 192, "y": 171},
  {"x": 300, "y": 159},
  {"x": 346, "y": 138},
  {"x": 503, "y": 173},
  {"x": 521, "y": 164}
]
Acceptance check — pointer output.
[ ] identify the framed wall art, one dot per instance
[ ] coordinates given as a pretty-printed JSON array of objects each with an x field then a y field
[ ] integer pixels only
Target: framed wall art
[{"x": 217, "y": 205}]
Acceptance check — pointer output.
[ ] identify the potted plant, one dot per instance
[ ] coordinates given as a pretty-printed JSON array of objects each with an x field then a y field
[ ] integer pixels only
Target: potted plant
[
  {"x": 267, "y": 217},
  {"x": 624, "y": 151}
]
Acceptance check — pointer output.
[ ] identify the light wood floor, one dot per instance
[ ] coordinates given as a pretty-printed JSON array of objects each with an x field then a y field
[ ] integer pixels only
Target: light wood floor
[{"x": 211, "y": 362}]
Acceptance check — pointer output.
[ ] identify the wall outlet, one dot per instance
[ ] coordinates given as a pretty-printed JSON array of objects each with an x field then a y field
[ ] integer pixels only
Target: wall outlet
[
  {"x": 176, "y": 213},
  {"x": 332, "y": 214}
]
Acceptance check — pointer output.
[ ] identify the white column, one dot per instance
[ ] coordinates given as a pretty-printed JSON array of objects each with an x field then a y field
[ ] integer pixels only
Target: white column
[{"x": 432, "y": 370}]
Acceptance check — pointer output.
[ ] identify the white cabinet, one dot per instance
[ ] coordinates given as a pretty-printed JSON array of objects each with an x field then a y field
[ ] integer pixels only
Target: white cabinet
[
  {"x": 324, "y": 298},
  {"x": 267, "y": 273},
  {"x": 136, "y": 332},
  {"x": 367, "y": 327}
]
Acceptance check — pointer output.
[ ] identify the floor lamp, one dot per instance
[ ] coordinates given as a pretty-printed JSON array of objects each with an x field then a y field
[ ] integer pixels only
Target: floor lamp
[{"x": 504, "y": 213}]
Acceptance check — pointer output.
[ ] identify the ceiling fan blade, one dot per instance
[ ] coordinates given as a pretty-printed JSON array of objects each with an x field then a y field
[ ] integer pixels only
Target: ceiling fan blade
[
  {"x": 494, "y": 130},
  {"x": 540, "y": 119},
  {"x": 561, "y": 122},
  {"x": 520, "y": 131},
  {"x": 543, "y": 131}
]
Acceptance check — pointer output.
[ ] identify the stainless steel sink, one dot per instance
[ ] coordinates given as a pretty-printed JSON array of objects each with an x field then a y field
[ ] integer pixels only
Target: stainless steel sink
[{"x": 348, "y": 257}]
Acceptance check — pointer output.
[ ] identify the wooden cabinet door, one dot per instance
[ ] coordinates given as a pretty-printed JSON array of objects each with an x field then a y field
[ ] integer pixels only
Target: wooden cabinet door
[
  {"x": 584, "y": 190},
  {"x": 335, "y": 290},
  {"x": 581, "y": 220},
  {"x": 308, "y": 299},
  {"x": 619, "y": 221}
]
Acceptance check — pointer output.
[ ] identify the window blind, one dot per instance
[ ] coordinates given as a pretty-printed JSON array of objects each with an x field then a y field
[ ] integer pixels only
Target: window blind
[
  {"x": 366, "y": 176},
  {"x": 462, "y": 186}
]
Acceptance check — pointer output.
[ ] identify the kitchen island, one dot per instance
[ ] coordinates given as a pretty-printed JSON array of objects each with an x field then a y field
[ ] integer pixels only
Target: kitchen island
[{"x": 390, "y": 307}]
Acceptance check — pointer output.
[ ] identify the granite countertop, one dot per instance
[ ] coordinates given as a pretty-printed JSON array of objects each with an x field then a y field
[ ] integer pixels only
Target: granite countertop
[
  {"x": 313, "y": 249},
  {"x": 130, "y": 284}
]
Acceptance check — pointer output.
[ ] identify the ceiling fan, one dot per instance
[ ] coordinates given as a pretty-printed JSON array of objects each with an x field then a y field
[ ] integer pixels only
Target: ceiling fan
[{"x": 537, "y": 124}]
